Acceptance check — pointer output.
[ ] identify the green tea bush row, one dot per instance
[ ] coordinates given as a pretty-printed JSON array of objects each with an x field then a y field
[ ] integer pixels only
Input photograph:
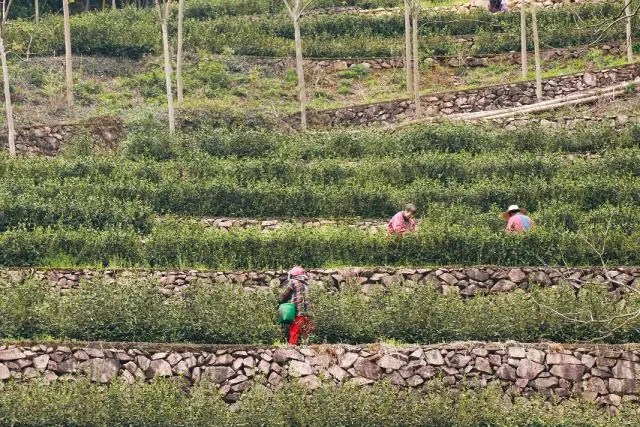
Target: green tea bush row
[
  {"x": 167, "y": 403},
  {"x": 147, "y": 141},
  {"x": 461, "y": 242},
  {"x": 133, "y": 200},
  {"x": 392, "y": 25},
  {"x": 134, "y": 32},
  {"x": 225, "y": 314},
  {"x": 208, "y": 9}
]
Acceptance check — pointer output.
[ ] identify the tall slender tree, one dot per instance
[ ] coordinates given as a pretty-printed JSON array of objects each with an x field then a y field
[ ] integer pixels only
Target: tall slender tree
[
  {"x": 11, "y": 132},
  {"x": 113, "y": 5},
  {"x": 164, "y": 12},
  {"x": 68, "y": 55},
  {"x": 415, "y": 12},
  {"x": 180, "y": 54},
  {"x": 536, "y": 47},
  {"x": 629, "y": 16},
  {"x": 407, "y": 46},
  {"x": 523, "y": 38},
  {"x": 36, "y": 7},
  {"x": 296, "y": 8}
]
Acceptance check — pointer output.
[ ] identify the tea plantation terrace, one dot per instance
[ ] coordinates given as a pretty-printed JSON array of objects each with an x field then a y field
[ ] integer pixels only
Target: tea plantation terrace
[{"x": 87, "y": 215}]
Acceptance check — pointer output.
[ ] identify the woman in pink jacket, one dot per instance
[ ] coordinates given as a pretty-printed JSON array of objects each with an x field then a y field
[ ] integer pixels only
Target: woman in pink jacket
[{"x": 403, "y": 222}]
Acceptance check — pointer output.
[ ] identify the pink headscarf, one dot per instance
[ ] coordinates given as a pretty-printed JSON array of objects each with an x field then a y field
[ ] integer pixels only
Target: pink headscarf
[{"x": 297, "y": 271}]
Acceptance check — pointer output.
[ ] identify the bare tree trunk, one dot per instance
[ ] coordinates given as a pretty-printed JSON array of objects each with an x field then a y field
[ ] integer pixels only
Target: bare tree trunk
[
  {"x": 627, "y": 11},
  {"x": 36, "y": 6},
  {"x": 113, "y": 5},
  {"x": 67, "y": 53},
  {"x": 104, "y": 5},
  {"x": 407, "y": 43},
  {"x": 300, "y": 71},
  {"x": 536, "y": 47},
  {"x": 11, "y": 133},
  {"x": 167, "y": 75},
  {"x": 416, "y": 64},
  {"x": 523, "y": 38},
  {"x": 180, "y": 59},
  {"x": 86, "y": 5}
]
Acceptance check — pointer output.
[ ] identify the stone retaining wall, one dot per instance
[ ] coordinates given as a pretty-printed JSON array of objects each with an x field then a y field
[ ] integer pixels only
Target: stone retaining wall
[
  {"x": 223, "y": 223},
  {"x": 105, "y": 132},
  {"x": 472, "y": 100},
  {"x": 608, "y": 375},
  {"x": 467, "y": 282},
  {"x": 331, "y": 65},
  {"x": 617, "y": 121}
]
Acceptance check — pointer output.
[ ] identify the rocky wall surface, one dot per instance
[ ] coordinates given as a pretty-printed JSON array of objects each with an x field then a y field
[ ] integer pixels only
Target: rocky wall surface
[
  {"x": 331, "y": 65},
  {"x": 472, "y": 100},
  {"x": 47, "y": 140},
  {"x": 223, "y": 223},
  {"x": 616, "y": 121},
  {"x": 608, "y": 374},
  {"x": 466, "y": 282}
]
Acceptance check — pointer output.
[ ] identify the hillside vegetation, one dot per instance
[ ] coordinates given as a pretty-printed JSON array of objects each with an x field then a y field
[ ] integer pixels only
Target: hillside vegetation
[{"x": 80, "y": 209}]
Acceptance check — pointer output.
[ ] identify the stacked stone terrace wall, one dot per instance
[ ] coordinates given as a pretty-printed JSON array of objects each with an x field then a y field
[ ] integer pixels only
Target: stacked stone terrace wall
[
  {"x": 467, "y": 101},
  {"x": 467, "y": 281},
  {"x": 48, "y": 140},
  {"x": 609, "y": 375},
  {"x": 330, "y": 65}
]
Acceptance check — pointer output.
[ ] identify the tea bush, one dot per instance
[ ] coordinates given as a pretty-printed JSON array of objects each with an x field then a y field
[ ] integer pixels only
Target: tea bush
[
  {"x": 133, "y": 32},
  {"x": 463, "y": 242},
  {"x": 224, "y": 314},
  {"x": 165, "y": 402}
]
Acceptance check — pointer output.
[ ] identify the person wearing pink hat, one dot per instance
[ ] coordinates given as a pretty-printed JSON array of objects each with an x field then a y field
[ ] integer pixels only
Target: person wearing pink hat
[
  {"x": 517, "y": 220},
  {"x": 403, "y": 222},
  {"x": 296, "y": 292}
]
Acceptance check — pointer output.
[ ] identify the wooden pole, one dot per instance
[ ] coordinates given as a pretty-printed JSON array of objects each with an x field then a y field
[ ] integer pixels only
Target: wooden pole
[
  {"x": 11, "y": 133},
  {"x": 164, "y": 11},
  {"x": 416, "y": 62},
  {"x": 536, "y": 47},
  {"x": 627, "y": 11},
  {"x": 180, "y": 54},
  {"x": 68, "y": 55},
  {"x": 408, "y": 63},
  {"x": 295, "y": 11},
  {"x": 523, "y": 39}
]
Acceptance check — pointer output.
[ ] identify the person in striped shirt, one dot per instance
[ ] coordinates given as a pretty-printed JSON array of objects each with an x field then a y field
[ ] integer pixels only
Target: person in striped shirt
[
  {"x": 296, "y": 292},
  {"x": 517, "y": 220}
]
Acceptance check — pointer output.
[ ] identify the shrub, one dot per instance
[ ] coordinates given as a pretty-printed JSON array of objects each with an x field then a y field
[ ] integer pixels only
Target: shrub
[
  {"x": 135, "y": 310},
  {"x": 165, "y": 402}
]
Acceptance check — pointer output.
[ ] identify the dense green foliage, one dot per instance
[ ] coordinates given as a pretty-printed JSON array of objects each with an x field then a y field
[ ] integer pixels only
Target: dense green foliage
[
  {"x": 167, "y": 403},
  {"x": 207, "y": 9},
  {"x": 88, "y": 210},
  {"x": 258, "y": 174},
  {"x": 134, "y": 32},
  {"x": 459, "y": 243},
  {"x": 137, "y": 311}
]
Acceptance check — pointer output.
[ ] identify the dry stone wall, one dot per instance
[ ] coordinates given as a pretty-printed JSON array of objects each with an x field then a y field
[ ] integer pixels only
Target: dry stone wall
[
  {"x": 225, "y": 224},
  {"x": 473, "y": 100},
  {"x": 105, "y": 133},
  {"x": 329, "y": 65},
  {"x": 466, "y": 282},
  {"x": 609, "y": 375},
  {"x": 615, "y": 121}
]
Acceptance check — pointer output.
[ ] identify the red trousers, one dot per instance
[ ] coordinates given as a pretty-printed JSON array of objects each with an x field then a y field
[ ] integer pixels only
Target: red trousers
[{"x": 302, "y": 325}]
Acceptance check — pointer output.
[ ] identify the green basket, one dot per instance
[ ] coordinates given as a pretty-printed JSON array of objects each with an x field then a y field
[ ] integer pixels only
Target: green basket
[{"x": 286, "y": 313}]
